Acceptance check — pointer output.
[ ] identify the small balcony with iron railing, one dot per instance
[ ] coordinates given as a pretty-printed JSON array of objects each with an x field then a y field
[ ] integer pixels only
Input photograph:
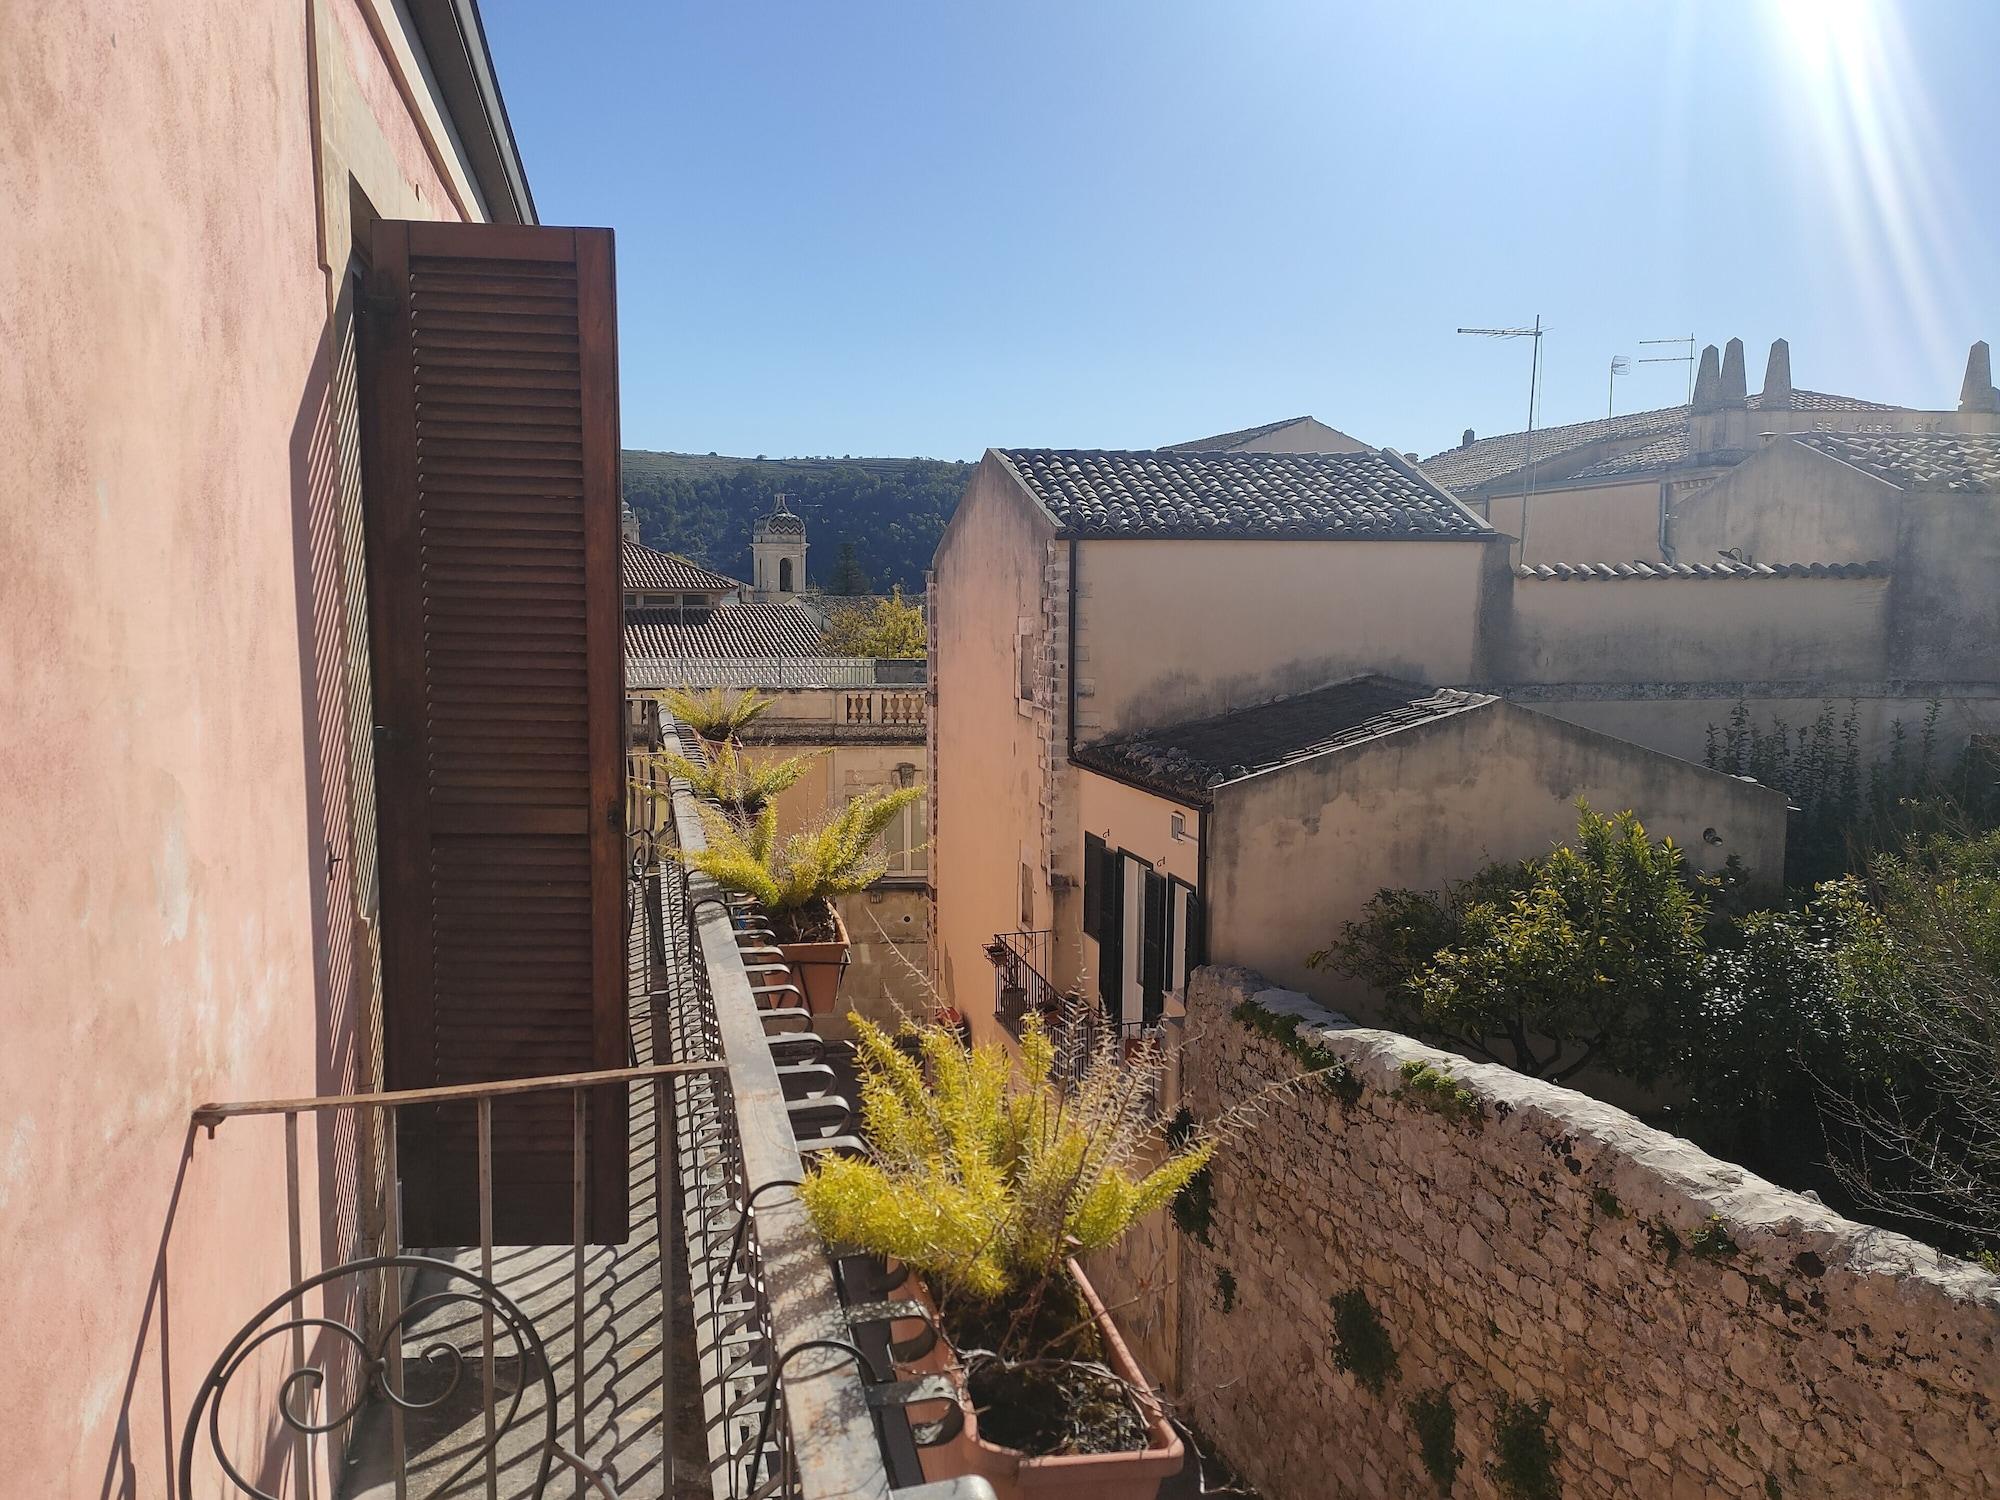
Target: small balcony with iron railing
[
  {"x": 716, "y": 1350},
  {"x": 1081, "y": 1027}
]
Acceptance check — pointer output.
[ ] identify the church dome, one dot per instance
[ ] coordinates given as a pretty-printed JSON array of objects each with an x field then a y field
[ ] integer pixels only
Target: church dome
[{"x": 780, "y": 522}]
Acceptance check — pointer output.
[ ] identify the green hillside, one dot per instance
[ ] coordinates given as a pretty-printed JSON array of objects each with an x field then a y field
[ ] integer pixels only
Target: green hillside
[{"x": 891, "y": 509}]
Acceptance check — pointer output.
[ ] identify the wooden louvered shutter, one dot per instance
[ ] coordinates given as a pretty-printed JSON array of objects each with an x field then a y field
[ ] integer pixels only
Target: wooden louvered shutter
[{"x": 490, "y": 379}]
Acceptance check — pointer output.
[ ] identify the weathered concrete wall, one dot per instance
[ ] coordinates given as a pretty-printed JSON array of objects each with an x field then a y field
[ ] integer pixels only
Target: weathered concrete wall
[
  {"x": 1175, "y": 630},
  {"x": 183, "y": 914},
  {"x": 1295, "y": 853},
  {"x": 996, "y": 757},
  {"x": 1787, "y": 505},
  {"x": 1945, "y": 621},
  {"x": 1599, "y": 523},
  {"x": 1643, "y": 630},
  {"x": 1695, "y": 1330},
  {"x": 1677, "y": 720}
]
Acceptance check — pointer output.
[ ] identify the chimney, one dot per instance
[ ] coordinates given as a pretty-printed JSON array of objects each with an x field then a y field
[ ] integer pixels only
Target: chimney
[
  {"x": 1708, "y": 381},
  {"x": 1977, "y": 394},
  {"x": 1735, "y": 393},
  {"x": 1778, "y": 377},
  {"x": 1466, "y": 441}
]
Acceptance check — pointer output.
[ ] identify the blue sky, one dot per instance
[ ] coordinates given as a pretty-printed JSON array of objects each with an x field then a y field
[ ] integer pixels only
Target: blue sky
[{"x": 853, "y": 227}]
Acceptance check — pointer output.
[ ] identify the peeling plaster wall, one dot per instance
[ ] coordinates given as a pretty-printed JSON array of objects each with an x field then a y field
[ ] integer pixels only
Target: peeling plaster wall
[
  {"x": 176, "y": 444},
  {"x": 1770, "y": 1348}
]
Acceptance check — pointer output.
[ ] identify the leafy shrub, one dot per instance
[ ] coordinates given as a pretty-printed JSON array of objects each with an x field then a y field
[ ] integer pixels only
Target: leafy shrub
[
  {"x": 1361, "y": 1343},
  {"x": 832, "y": 858},
  {"x": 1436, "y": 1090},
  {"x": 890, "y": 627},
  {"x": 716, "y": 713},
  {"x": 1436, "y": 1422},
  {"x": 986, "y": 1176},
  {"x": 1590, "y": 954},
  {"x": 1193, "y": 1208},
  {"x": 1525, "y": 1452}
]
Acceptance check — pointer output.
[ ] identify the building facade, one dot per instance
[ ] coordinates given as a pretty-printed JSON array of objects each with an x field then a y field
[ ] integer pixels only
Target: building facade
[
  {"x": 184, "y": 648},
  {"x": 1083, "y": 599}
]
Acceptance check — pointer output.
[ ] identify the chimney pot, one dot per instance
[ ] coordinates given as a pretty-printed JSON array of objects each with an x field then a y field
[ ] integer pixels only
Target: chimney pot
[
  {"x": 1708, "y": 380},
  {"x": 1735, "y": 391},
  {"x": 1778, "y": 377},
  {"x": 1978, "y": 394},
  {"x": 1466, "y": 441}
]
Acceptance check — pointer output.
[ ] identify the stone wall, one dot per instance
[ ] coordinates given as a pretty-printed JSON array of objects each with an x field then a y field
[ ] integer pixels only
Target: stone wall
[{"x": 1694, "y": 1330}]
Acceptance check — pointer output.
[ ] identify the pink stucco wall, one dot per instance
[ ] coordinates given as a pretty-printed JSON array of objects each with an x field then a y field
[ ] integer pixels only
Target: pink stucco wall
[{"x": 172, "y": 719}]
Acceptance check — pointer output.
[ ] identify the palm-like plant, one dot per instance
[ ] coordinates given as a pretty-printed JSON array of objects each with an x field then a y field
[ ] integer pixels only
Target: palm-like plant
[
  {"x": 832, "y": 858},
  {"x": 716, "y": 713},
  {"x": 987, "y": 1177},
  {"x": 730, "y": 777}
]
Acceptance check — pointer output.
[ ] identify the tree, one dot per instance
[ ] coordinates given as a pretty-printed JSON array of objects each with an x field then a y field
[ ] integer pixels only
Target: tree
[
  {"x": 1914, "y": 1127},
  {"x": 848, "y": 579},
  {"x": 1590, "y": 954},
  {"x": 888, "y": 627}
]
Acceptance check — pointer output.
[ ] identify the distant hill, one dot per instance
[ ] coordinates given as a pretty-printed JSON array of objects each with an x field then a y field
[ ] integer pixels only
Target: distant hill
[{"x": 892, "y": 509}]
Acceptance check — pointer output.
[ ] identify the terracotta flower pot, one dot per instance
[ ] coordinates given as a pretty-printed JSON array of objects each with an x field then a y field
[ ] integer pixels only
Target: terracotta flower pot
[
  {"x": 817, "y": 967},
  {"x": 1134, "y": 1475}
]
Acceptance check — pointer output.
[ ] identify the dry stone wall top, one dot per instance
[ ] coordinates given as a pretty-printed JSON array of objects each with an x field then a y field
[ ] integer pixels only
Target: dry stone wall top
[{"x": 1420, "y": 1269}]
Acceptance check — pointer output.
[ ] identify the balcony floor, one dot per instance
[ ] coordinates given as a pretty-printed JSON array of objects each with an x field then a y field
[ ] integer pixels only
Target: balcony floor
[{"x": 623, "y": 1328}]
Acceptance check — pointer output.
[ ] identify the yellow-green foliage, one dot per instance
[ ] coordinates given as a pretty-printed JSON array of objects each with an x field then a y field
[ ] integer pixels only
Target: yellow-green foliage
[
  {"x": 717, "y": 713},
  {"x": 830, "y": 859},
  {"x": 730, "y": 777},
  {"x": 987, "y": 1176},
  {"x": 888, "y": 627}
]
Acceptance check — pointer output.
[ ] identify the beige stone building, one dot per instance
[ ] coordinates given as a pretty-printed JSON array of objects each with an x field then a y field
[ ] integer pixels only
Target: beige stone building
[
  {"x": 1612, "y": 489},
  {"x": 1077, "y": 596},
  {"x": 1248, "y": 837},
  {"x": 1083, "y": 600}
]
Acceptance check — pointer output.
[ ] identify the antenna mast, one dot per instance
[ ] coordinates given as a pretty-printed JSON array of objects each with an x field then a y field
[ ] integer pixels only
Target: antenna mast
[
  {"x": 1620, "y": 365},
  {"x": 1534, "y": 398},
  {"x": 1675, "y": 359}
]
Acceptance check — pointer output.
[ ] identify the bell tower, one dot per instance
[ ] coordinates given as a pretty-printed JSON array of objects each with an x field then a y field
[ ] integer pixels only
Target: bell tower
[{"x": 778, "y": 555}]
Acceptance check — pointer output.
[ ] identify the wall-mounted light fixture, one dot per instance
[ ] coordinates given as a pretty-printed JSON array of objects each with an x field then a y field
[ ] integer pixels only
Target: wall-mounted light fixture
[{"x": 906, "y": 774}]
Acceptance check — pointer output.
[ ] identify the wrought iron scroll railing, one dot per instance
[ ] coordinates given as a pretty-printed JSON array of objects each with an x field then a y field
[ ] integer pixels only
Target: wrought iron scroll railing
[{"x": 346, "y": 1331}]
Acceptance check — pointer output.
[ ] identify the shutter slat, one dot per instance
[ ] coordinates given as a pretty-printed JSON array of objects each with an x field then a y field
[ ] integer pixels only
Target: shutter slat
[{"x": 492, "y": 488}]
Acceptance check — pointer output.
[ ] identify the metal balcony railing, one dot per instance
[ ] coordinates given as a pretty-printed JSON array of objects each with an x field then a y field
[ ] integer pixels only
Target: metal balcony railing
[
  {"x": 532, "y": 1371},
  {"x": 656, "y": 672}
]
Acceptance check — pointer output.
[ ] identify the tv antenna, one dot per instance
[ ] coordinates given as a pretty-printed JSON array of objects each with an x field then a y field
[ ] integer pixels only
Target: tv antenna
[
  {"x": 1675, "y": 359},
  {"x": 1534, "y": 398},
  {"x": 1620, "y": 364}
]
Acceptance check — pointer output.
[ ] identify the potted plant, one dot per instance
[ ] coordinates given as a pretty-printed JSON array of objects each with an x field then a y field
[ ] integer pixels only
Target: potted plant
[
  {"x": 730, "y": 778},
  {"x": 986, "y": 1178},
  {"x": 717, "y": 714},
  {"x": 796, "y": 878}
]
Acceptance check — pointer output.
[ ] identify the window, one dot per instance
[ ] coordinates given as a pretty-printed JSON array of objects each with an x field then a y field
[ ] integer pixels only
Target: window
[
  {"x": 784, "y": 575},
  {"x": 1183, "y": 917},
  {"x": 1153, "y": 948},
  {"x": 1094, "y": 881},
  {"x": 1024, "y": 662},
  {"x": 1027, "y": 897},
  {"x": 903, "y": 841}
]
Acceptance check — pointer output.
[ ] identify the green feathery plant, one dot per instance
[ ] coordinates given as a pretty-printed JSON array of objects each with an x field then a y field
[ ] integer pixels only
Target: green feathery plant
[
  {"x": 730, "y": 777},
  {"x": 987, "y": 1177},
  {"x": 717, "y": 713},
  {"x": 832, "y": 858}
]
